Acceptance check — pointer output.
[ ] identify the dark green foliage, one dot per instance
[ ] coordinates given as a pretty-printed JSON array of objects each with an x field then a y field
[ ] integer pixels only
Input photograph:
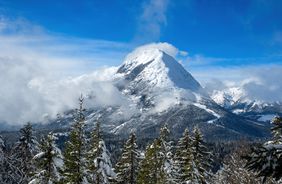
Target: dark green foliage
[
  {"x": 192, "y": 159},
  {"x": 74, "y": 153},
  {"x": 92, "y": 155},
  {"x": 183, "y": 157},
  {"x": 201, "y": 157},
  {"x": 48, "y": 162},
  {"x": 128, "y": 165},
  {"x": 151, "y": 169},
  {"x": 158, "y": 165}
]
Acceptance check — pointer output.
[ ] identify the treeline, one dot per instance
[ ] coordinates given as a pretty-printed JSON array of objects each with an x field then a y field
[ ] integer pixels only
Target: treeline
[{"x": 86, "y": 160}]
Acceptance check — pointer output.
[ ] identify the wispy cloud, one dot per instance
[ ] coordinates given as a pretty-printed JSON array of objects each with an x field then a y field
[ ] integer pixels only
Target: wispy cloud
[
  {"x": 152, "y": 20},
  {"x": 24, "y": 40}
]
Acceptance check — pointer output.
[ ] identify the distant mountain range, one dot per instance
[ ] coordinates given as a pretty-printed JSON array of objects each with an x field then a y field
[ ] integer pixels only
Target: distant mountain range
[
  {"x": 161, "y": 91},
  {"x": 236, "y": 100}
]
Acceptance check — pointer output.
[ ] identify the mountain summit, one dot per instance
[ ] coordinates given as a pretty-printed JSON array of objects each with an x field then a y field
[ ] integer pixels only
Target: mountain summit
[
  {"x": 157, "y": 80},
  {"x": 158, "y": 70}
]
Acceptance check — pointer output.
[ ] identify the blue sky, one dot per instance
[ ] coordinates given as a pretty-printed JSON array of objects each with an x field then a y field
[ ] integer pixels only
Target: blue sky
[
  {"x": 241, "y": 28},
  {"x": 214, "y": 33}
]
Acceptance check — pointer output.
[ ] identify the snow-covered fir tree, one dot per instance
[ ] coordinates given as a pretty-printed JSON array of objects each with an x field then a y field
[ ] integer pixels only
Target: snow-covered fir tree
[
  {"x": 74, "y": 153},
  {"x": 23, "y": 152},
  {"x": 2, "y": 149},
  {"x": 166, "y": 155},
  {"x": 201, "y": 158},
  {"x": 158, "y": 165},
  {"x": 184, "y": 158},
  {"x": 48, "y": 161},
  {"x": 192, "y": 159},
  {"x": 266, "y": 160},
  {"x": 99, "y": 166},
  {"x": 128, "y": 165},
  {"x": 151, "y": 167}
]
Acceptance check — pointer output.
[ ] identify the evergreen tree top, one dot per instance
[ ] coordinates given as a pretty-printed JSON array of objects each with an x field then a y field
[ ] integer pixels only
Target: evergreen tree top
[
  {"x": 26, "y": 133},
  {"x": 27, "y": 140},
  {"x": 80, "y": 111},
  {"x": 2, "y": 143},
  {"x": 186, "y": 138},
  {"x": 164, "y": 132},
  {"x": 198, "y": 138},
  {"x": 277, "y": 130},
  {"x": 96, "y": 133}
]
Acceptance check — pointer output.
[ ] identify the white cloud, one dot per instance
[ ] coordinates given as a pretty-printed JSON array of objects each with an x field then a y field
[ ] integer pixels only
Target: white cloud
[
  {"x": 259, "y": 82},
  {"x": 151, "y": 21},
  {"x": 34, "y": 70},
  {"x": 28, "y": 92},
  {"x": 163, "y": 46}
]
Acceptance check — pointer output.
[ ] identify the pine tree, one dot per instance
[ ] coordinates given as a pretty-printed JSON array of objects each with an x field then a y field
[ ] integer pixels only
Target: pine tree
[
  {"x": 128, "y": 166},
  {"x": 74, "y": 154},
  {"x": 184, "y": 158},
  {"x": 24, "y": 151},
  {"x": 276, "y": 131},
  {"x": 192, "y": 159},
  {"x": 201, "y": 159},
  {"x": 2, "y": 149},
  {"x": 166, "y": 155},
  {"x": 151, "y": 170},
  {"x": 266, "y": 160},
  {"x": 99, "y": 166},
  {"x": 158, "y": 165},
  {"x": 49, "y": 162}
]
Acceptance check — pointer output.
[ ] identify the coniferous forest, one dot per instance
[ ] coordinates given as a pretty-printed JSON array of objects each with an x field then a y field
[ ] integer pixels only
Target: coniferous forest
[{"x": 85, "y": 158}]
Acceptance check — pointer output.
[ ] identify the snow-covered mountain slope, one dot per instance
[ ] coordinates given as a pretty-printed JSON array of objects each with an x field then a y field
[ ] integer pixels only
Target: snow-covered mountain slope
[
  {"x": 159, "y": 90},
  {"x": 228, "y": 97},
  {"x": 157, "y": 81}
]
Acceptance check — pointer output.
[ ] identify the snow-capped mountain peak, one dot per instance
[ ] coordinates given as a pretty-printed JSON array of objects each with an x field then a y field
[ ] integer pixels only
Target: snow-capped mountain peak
[
  {"x": 228, "y": 97},
  {"x": 158, "y": 70}
]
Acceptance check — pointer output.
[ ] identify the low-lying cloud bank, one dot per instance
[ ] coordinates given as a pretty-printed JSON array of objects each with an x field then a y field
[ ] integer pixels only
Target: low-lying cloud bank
[{"x": 28, "y": 93}]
